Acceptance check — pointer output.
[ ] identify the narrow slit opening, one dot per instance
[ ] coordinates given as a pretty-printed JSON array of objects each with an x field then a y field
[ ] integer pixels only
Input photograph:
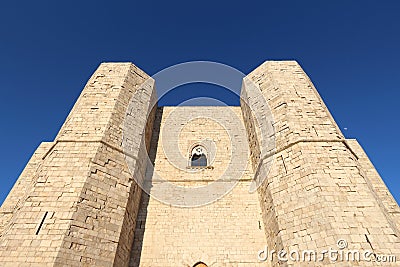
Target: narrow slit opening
[{"x": 41, "y": 223}]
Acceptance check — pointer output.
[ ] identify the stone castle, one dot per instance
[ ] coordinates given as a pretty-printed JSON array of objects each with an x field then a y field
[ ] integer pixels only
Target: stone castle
[{"x": 78, "y": 203}]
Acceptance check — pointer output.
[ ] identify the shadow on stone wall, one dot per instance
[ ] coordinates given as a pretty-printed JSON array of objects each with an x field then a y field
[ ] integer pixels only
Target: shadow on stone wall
[{"x": 140, "y": 229}]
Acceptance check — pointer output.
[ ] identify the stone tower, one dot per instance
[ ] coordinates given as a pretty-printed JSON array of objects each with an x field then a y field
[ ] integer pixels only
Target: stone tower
[{"x": 79, "y": 200}]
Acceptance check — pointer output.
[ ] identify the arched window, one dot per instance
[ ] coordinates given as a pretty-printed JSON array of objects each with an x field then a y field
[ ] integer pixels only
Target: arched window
[
  {"x": 199, "y": 160},
  {"x": 200, "y": 264},
  {"x": 198, "y": 157}
]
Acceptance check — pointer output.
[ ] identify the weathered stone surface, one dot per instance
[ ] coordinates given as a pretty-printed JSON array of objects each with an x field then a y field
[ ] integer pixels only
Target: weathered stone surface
[
  {"x": 78, "y": 204},
  {"x": 226, "y": 232},
  {"x": 321, "y": 187}
]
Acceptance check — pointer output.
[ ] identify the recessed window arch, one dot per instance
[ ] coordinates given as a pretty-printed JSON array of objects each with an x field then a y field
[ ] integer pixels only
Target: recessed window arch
[
  {"x": 200, "y": 264},
  {"x": 198, "y": 157}
]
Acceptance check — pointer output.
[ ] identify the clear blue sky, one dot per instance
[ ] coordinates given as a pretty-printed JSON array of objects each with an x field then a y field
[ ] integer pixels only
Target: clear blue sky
[{"x": 48, "y": 50}]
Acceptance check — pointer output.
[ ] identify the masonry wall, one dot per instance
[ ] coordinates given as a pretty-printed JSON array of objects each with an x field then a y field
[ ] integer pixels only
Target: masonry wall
[
  {"x": 318, "y": 189},
  {"x": 78, "y": 204},
  {"x": 22, "y": 186},
  {"x": 76, "y": 201},
  {"x": 375, "y": 182},
  {"x": 224, "y": 232}
]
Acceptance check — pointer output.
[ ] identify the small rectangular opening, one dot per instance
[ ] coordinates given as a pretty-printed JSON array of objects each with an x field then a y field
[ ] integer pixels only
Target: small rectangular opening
[{"x": 41, "y": 223}]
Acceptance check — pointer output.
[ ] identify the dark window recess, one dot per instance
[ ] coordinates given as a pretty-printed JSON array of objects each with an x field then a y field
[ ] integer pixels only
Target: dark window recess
[
  {"x": 41, "y": 223},
  {"x": 199, "y": 160}
]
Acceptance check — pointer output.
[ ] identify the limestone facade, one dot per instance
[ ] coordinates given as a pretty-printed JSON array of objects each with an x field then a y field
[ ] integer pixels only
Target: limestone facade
[{"x": 79, "y": 200}]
